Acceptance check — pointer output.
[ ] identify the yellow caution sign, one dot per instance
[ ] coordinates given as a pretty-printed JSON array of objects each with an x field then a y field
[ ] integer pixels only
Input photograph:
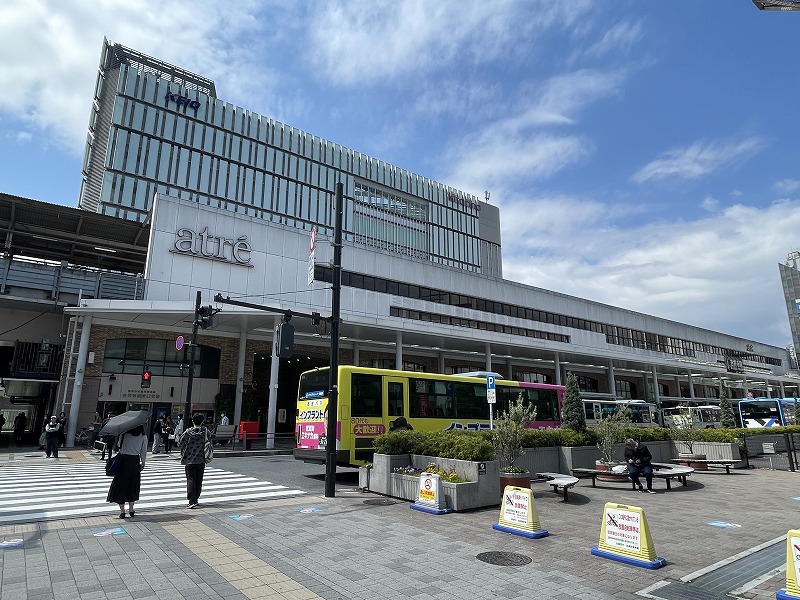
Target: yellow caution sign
[
  {"x": 625, "y": 537},
  {"x": 792, "y": 589},
  {"x": 431, "y": 497},
  {"x": 518, "y": 514}
]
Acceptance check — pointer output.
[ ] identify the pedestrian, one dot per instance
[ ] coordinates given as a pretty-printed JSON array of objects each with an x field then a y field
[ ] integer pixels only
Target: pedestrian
[
  {"x": 62, "y": 430},
  {"x": 51, "y": 442},
  {"x": 108, "y": 439},
  {"x": 127, "y": 483},
  {"x": 20, "y": 425},
  {"x": 192, "y": 444},
  {"x": 178, "y": 429},
  {"x": 169, "y": 434},
  {"x": 638, "y": 458},
  {"x": 2, "y": 421},
  {"x": 223, "y": 420},
  {"x": 158, "y": 431}
]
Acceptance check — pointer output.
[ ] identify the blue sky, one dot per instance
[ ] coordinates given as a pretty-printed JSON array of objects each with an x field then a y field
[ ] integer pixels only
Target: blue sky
[{"x": 643, "y": 154}]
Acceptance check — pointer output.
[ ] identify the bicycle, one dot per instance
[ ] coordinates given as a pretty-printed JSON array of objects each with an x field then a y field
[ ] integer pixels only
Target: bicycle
[{"x": 83, "y": 437}]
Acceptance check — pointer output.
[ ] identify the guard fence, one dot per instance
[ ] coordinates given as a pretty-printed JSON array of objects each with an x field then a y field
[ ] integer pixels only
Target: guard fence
[{"x": 770, "y": 451}]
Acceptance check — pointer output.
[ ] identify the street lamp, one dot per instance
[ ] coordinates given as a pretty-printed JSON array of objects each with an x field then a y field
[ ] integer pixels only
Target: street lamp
[{"x": 777, "y": 4}]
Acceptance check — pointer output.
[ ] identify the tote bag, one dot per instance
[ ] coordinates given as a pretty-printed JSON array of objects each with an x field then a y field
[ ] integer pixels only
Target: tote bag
[{"x": 112, "y": 466}]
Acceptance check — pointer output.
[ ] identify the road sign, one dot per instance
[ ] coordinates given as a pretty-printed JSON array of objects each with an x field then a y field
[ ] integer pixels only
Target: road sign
[
  {"x": 179, "y": 343},
  {"x": 311, "y": 259},
  {"x": 491, "y": 392}
]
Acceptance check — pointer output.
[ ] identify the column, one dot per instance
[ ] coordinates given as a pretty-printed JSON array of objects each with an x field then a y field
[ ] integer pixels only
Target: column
[
  {"x": 77, "y": 386},
  {"x": 273, "y": 386},
  {"x": 488, "y": 358},
  {"x": 398, "y": 350},
  {"x": 237, "y": 403},
  {"x": 691, "y": 386},
  {"x": 557, "y": 366},
  {"x": 612, "y": 384},
  {"x": 656, "y": 391},
  {"x": 356, "y": 355},
  {"x": 440, "y": 360}
]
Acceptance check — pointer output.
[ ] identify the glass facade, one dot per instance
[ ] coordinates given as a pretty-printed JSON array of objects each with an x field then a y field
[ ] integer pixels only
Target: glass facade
[{"x": 154, "y": 131}]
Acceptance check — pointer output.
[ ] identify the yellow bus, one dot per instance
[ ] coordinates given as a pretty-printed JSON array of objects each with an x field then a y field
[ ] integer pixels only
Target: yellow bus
[{"x": 375, "y": 401}]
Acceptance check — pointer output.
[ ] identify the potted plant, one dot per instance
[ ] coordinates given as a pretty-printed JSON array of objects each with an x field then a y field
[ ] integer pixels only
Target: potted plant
[
  {"x": 611, "y": 430},
  {"x": 507, "y": 436}
]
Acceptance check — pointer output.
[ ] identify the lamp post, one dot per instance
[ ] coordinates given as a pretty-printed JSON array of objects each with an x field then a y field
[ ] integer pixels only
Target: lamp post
[{"x": 333, "y": 377}]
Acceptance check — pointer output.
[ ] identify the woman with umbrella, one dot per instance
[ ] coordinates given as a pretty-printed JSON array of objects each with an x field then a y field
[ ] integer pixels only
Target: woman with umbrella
[{"x": 132, "y": 455}]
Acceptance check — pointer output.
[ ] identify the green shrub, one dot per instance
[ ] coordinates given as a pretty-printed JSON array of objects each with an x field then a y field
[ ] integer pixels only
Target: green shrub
[{"x": 446, "y": 444}]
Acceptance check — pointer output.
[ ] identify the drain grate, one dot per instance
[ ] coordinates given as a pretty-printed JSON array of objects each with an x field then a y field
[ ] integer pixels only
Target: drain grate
[
  {"x": 379, "y": 502},
  {"x": 504, "y": 559}
]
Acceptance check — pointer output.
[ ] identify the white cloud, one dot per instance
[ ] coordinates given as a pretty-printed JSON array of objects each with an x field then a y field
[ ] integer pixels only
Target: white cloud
[
  {"x": 362, "y": 41},
  {"x": 49, "y": 68},
  {"x": 720, "y": 272},
  {"x": 24, "y": 136},
  {"x": 620, "y": 37},
  {"x": 710, "y": 204},
  {"x": 786, "y": 186},
  {"x": 697, "y": 160}
]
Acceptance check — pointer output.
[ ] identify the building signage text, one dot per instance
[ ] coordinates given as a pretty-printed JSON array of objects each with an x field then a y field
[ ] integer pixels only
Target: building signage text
[
  {"x": 208, "y": 245},
  {"x": 182, "y": 100}
]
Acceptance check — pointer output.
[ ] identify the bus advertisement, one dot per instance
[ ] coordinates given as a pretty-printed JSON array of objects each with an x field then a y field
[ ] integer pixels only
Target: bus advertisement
[
  {"x": 767, "y": 412},
  {"x": 376, "y": 401}
]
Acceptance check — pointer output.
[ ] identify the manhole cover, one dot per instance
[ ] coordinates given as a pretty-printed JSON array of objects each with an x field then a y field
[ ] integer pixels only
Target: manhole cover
[
  {"x": 379, "y": 502},
  {"x": 504, "y": 559}
]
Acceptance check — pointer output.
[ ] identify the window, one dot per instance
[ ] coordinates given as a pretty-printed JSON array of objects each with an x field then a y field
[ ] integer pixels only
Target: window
[
  {"x": 365, "y": 395},
  {"x": 130, "y": 356}
]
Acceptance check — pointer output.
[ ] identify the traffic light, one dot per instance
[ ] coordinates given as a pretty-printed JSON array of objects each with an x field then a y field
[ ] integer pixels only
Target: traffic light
[
  {"x": 146, "y": 378},
  {"x": 205, "y": 316},
  {"x": 285, "y": 340}
]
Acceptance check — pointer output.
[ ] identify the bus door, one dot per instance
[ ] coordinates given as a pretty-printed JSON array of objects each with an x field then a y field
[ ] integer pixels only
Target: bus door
[{"x": 396, "y": 394}]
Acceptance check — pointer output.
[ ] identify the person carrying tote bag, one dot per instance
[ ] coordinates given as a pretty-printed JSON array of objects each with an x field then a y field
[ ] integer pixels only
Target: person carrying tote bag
[
  {"x": 193, "y": 443},
  {"x": 131, "y": 458}
]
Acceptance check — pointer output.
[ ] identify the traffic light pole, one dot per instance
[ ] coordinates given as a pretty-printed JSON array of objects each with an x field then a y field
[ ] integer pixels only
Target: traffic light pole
[
  {"x": 187, "y": 417},
  {"x": 333, "y": 378}
]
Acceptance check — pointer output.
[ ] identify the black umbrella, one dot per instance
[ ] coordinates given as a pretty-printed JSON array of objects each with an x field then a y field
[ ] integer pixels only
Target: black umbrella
[{"x": 125, "y": 422}]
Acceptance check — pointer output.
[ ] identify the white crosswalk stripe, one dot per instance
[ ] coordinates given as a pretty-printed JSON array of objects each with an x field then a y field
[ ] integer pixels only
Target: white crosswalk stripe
[{"x": 55, "y": 490}]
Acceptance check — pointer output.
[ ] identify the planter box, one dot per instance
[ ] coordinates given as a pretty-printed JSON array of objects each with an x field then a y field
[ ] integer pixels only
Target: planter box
[{"x": 481, "y": 490}]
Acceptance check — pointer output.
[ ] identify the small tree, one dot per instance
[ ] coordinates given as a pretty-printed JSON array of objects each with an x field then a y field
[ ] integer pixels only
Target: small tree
[
  {"x": 572, "y": 414},
  {"x": 685, "y": 430},
  {"x": 611, "y": 430},
  {"x": 508, "y": 432},
  {"x": 727, "y": 418}
]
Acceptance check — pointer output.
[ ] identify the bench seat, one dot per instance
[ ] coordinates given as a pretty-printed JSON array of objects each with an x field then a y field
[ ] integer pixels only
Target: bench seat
[
  {"x": 559, "y": 480},
  {"x": 722, "y": 462},
  {"x": 663, "y": 471}
]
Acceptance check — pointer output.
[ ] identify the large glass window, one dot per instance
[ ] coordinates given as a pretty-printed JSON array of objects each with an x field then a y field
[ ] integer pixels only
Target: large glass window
[
  {"x": 365, "y": 395},
  {"x": 131, "y": 355}
]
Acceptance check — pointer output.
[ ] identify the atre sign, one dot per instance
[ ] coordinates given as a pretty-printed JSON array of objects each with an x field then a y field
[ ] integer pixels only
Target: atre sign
[{"x": 207, "y": 245}]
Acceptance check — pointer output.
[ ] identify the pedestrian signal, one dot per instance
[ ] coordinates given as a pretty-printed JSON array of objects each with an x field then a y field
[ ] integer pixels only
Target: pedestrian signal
[{"x": 146, "y": 378}]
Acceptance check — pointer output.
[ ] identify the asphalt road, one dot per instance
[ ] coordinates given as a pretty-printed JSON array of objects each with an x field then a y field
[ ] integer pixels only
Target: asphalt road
[{"x": 285, "y": 470}]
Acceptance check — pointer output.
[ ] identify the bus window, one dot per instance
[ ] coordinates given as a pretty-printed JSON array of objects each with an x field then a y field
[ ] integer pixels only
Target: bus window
[
  {"x": 365, "y": 396},
  {"x": 395, "y": 393}
]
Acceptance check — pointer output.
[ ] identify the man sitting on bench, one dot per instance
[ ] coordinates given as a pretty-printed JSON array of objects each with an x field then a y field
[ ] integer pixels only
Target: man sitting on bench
[{"x": 638, "y": 458}]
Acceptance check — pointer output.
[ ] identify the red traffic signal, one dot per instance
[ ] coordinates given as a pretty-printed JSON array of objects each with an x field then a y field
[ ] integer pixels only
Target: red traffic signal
[{"x": 146, "y": 378}]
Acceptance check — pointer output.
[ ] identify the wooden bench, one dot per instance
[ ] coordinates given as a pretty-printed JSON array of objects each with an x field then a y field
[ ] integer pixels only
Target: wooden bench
[
  {"x": 224, "y": 433},
  {"x": 710, "y": 461},
  {"x": 559, "y": 480}
]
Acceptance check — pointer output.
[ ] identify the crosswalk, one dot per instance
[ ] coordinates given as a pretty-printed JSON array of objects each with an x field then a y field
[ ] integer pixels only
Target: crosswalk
[{"x": 55, "y": 490}]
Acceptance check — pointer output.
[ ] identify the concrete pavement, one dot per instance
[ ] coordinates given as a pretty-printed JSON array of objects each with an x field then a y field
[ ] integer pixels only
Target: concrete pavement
[{"x": 360, "y": 545}]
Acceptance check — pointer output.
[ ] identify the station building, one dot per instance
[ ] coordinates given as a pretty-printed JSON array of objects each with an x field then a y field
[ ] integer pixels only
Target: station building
[{"x": 228, "y": 200}]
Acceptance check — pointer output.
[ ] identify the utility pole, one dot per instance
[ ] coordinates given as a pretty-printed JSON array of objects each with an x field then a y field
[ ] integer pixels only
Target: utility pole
[
  {"x": 333, "y": 378},
  {"x": 192, "y": 346}
]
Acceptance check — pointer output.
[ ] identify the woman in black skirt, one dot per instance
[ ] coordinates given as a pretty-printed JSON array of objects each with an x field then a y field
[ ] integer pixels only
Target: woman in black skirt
[{"x": 128, "y": 480}]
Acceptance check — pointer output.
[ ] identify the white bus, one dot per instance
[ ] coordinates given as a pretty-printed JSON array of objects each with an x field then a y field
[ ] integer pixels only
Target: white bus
[
  {"x": 704, "y": 416},
  {"x": 643, "y": 414}
]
